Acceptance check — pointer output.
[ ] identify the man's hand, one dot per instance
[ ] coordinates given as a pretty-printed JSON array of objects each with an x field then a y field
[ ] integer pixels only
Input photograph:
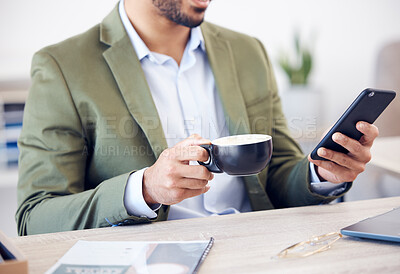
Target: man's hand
[
  {"x": 346, "y": 167},
  {"x": 171, "y": 179}
]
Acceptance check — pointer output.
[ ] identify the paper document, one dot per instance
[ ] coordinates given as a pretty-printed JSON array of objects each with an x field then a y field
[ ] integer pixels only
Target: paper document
[{"x": 106, "y": 257}]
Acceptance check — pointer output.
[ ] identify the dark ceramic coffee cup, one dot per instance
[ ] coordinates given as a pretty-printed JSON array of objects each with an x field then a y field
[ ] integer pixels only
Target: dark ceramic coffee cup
[{"x": 239, "y": 155}]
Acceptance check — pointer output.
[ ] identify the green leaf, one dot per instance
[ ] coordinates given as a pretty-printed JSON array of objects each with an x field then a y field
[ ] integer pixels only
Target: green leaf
[{"x": 298, "y": 71}]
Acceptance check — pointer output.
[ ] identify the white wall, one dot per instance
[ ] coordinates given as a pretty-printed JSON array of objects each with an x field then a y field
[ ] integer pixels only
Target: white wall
[
  {"x": 348, "y": 35},
  {"x": 26, "y": 26}
]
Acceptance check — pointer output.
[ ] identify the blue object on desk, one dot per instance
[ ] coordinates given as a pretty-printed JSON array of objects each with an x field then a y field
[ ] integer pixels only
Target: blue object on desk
[
  {"x": 5, "y": 253},
  {"x": 385, "y": 227}
]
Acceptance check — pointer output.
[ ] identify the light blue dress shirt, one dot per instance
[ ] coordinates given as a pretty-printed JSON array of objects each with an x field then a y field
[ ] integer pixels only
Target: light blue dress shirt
[{"x": 187, "y": 102}]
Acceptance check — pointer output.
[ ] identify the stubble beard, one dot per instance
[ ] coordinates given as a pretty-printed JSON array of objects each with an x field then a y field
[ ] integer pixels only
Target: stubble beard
[{"x": 171, "y": 9}]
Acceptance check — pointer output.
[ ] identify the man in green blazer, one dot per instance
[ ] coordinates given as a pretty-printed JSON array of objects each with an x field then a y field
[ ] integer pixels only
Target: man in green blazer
[{"x": 93, "y": 120}]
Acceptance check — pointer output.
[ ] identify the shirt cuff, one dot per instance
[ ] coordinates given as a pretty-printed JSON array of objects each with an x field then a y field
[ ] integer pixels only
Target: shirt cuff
[
  {"x": 133, "y": 199},
  {"x": 324, "y": 188}
]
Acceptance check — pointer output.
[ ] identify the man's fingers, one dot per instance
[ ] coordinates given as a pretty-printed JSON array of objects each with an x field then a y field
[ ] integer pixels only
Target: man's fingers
[
  {"x": 189, "y": 149},
  {"x": 342, "y": 160},
  {"x": 186, "y": 154},
  {"x": 188, "y": 183},
  {"x": 191, "y": 153},
  {"x": 194, "y": 140},
  {"x": 333, "y": 172},
  {"x": 179, "y": 194},
  {"x": 196, "y": 172},
  {"x": 355, "y": 148},
  {"x": 370, "y": 133},
  {"x": 171, "y": 179},
  {"x": 177, "y": 172},
  {"x": 342, "y": 167}
]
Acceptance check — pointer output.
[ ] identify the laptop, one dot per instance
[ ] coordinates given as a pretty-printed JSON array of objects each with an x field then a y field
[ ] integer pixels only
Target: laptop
[{"x": 385, "y": 227}]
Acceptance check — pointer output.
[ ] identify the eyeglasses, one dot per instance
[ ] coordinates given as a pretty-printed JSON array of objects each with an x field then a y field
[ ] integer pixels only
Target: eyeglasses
[{"x": 312, "y": 246}]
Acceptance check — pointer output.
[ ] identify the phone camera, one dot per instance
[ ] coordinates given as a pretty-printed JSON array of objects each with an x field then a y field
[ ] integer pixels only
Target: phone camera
[{"x": 371, "y": 94}]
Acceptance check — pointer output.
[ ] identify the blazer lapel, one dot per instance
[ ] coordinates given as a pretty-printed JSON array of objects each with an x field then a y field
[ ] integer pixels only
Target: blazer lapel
[
  {"x": 127, "y": 71},
  {"x": 222, "y": 63}
]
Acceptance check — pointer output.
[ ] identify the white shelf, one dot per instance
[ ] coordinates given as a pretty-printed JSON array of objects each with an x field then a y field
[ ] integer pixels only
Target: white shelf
[
  {"x": 385, "y": 154},
  {"x": 13, "y": 96},
  {"x": 8, "y": 177}
]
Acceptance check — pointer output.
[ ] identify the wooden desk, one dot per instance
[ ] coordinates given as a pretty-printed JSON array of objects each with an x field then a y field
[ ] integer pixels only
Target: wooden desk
[
  {"x": 245, "y": 243},
  {"x": 386, "y": 154}
]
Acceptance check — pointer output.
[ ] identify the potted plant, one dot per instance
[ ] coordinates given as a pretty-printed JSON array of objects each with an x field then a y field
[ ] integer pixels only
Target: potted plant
[
  {"x": 301, "y": 102},
  {"x": 298, "y": 70}
]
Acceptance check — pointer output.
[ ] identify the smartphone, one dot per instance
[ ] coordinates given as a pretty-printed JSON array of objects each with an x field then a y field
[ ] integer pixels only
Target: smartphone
[{"x": 366, "y": 107}]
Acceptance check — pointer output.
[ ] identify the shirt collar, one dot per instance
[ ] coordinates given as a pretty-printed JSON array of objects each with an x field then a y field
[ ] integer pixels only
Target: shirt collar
[
  {"x": 196, "y": 37},
  {"x": 140, "y": 47}
]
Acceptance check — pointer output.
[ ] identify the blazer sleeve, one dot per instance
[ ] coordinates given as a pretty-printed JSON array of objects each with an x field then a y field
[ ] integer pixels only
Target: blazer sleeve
[
  {"x": 288, "y": 181},
  {"x": 52, "y": 165}
]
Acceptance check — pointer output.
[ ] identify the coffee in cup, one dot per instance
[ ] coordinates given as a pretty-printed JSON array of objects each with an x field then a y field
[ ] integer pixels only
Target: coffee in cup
[{"x": 239, "y": 155}]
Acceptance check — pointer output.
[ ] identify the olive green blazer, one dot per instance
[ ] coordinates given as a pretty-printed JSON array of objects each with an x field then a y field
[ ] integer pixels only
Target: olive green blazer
[{"x": 90, "y": 122}]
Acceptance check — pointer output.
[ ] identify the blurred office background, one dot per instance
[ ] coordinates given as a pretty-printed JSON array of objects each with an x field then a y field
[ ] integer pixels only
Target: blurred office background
[{"x": 346, "y": 39}]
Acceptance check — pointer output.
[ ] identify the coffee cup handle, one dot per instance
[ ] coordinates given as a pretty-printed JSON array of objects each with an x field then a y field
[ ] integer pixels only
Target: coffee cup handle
[{"x": 210, "y": 165}]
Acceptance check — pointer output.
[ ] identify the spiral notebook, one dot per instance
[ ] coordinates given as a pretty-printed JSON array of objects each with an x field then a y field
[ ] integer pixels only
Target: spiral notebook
[{"x": 133, "y": 257}]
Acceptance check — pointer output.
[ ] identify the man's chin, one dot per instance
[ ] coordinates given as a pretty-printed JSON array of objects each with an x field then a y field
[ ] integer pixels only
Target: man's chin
[
  {"x": 190, "y": 22},
  {"x": 197, "y": 23}
]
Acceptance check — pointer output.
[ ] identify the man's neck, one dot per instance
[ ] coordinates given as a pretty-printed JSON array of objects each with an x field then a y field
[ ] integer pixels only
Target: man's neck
[{"x": 160, "y": 34}]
